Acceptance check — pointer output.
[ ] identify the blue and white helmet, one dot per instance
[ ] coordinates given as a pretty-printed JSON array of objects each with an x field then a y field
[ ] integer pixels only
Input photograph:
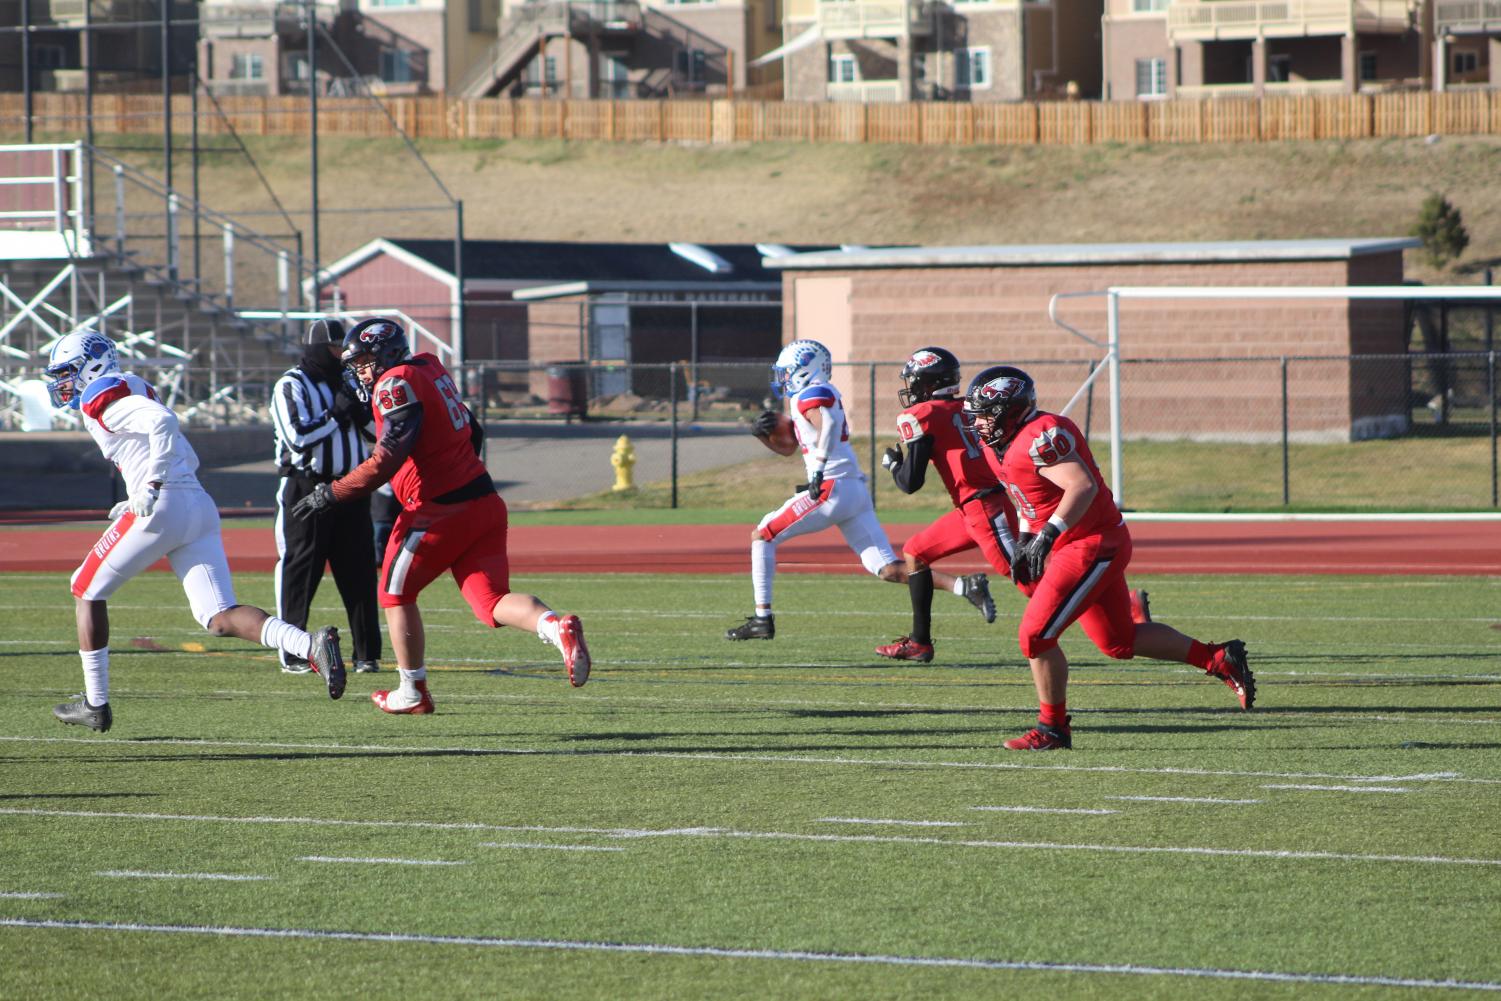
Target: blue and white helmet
[
  {"x": 801, "y": 364},
  {"x": 77, "y": 360}
]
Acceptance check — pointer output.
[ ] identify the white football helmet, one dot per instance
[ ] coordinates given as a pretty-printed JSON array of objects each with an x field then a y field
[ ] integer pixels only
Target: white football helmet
[
  {"x": 77, "y": 360},
  {"x": 800, "y": 364}
]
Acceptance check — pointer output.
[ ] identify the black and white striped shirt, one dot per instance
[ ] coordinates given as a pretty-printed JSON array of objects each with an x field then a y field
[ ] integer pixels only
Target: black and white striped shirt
[{"x": 308, "y": 439}]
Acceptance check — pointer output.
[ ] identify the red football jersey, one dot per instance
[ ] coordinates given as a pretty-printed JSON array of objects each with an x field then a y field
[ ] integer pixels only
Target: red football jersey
[
  {"x": 958, "y": 454},
  {"x": 1047, "y": 440},
  {"x": 443, "y": 459}
]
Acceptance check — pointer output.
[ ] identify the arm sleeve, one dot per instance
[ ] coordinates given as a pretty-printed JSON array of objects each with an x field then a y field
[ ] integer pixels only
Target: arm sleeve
[
  {"x": 913, "y": 471},
  {"x": 829, "y": 427},
  {"x": 139, "y": 415},
  {"x": 300, "y": 422},
  {"x": 397, "y": 440}
]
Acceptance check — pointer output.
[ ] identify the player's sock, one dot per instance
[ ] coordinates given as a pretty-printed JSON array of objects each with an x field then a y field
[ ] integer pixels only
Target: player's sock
[
  {"x": 1055, "y": 716},
  {"x": 1200, "y": 655},
  {"x": 763, "y": 613},
  {"x": 407, "y": 693},
  {"x": 920, "y": 588},
  {"x": 763, "y": 569},
  {"x": 95, "y": 676},
  {"x": 279, "y": 634},
  {"x": 961, "y": 585},
  {"x": 547, "y": 628}
]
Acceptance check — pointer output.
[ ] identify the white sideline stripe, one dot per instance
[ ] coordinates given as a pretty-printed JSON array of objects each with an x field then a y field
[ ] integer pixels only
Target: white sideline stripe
[
  {"x": 899, "y": 823},
  {"x": 1312, "y": 788},
  {"x": 1043, "y": 809},
  {"x": 1181, "y": 799},
  {"x": 717, "y": 952},
  {"x": 376, "y": 861},
  {"x": 31, "y": 896},
  {"x": 560, "y": 848},
  {"x": 722, "y": 832},
  {"x": 803, "y": 759},
  {"x": 227, "y": 877}
]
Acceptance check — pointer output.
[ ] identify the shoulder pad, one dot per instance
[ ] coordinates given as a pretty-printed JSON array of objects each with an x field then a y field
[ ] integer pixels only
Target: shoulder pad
[
  {"x": 909, "y": 426},
  {"x": 393, "y": 394},
  {"x": 101, "y": 393}
]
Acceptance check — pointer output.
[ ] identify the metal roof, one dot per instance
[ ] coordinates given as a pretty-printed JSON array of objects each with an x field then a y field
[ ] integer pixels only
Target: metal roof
[{"x": 555, "y": 262}]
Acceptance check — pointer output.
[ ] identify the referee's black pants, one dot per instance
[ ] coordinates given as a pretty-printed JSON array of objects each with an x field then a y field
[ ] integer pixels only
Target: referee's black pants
[{"x": 341, "y": 537}]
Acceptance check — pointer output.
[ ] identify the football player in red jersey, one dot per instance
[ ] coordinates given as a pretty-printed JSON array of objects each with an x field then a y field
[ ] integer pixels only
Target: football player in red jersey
[
  {"x": 934, "y": 429},
  {"x": 1074, "y": 547},
  {"x": 451, "y": 519}
]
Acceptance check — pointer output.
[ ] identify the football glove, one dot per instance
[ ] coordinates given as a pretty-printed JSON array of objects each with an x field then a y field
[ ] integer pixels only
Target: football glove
[
  {"x": 1036, "y": 554},
  {"x": 315, "y": 503},
  {"x": 815, "y": 484},
  {"x": 119, "y": 509},
  {"x": 891, "y": 458},
  {"x": 766, "y": 424},
  {"x": 143, "y": 503},
  {"x": 1019, "y": 571}
]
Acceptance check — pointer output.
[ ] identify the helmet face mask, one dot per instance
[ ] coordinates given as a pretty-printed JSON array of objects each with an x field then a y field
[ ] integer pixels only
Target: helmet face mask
[
  {"x": 74, "y": 362},
  {"x": 928, "y": 373},
  {"x": 371, "y": 348},
  {"x": 998, "y": 402},
  {"x": 799, "y": 365}
]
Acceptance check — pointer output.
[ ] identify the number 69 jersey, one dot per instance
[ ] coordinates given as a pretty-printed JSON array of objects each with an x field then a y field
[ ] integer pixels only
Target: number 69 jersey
[
  {"x": 1044, "y": 441},
  {"x": 443, "y": 459}
]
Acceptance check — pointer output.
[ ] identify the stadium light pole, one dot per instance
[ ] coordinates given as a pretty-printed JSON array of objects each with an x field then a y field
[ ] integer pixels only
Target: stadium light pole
[{"x": 312, "y": 93}]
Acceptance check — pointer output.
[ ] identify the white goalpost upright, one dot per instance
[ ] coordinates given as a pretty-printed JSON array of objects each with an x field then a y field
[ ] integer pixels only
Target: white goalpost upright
[{"x": 1111, "y": 344}]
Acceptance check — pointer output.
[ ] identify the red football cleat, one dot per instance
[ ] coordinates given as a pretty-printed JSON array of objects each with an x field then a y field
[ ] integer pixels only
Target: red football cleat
[
  {"x": 1231, "y": 667},
  {"x": 575, "y": 650},
  {"x": 1043, "y": 738},
  {"x": 1141, "y": 609},
  {"x": 421, "y": 707},
  {"x": 907, "y": 648}
]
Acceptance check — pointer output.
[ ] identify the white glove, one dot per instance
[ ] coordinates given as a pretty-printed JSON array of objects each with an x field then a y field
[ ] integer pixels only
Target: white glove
[
  {"x": 142, "y": 504},
  {"x": 119, "y": 509}
]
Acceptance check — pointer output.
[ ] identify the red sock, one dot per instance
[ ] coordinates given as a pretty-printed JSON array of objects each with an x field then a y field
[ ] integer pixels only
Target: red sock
[
  {"x": 1052, "y": 715},
  {"x": 1200, "y": 655}
]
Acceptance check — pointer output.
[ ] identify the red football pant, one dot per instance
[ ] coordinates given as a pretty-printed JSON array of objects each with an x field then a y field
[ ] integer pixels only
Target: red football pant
[
  {"x": 1085, "y": 582},
  {"x": 467, "y": 539},
  {"x": 976, "y": 524}
]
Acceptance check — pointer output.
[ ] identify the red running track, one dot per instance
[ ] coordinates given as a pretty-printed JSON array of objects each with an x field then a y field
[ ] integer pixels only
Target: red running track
[{"x": 1161, "y": 547}]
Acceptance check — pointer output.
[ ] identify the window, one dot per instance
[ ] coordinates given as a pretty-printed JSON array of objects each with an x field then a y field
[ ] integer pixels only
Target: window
[
  {"x": 47, "y": 57},
  {"x": 247, "y": 66},
  {"x": 1148, "y": 6},
  {"x": 614, "y": 77},
  {"x": 393, "y": 3},
  {"x": 297, "y": 67},
  {"x": 842, "y": 68},
  {"x": 396, "y": 66},
  {"x": 550, "y": 70},
  {"x": 1368, "y": 66},
  {"x": 1151, "y": 78},
  {"x": 972, "y": 67},
  {"x": 690, "y": 64},
  {"x": 1279, "y": 69},
  {"x": 1465, "y": 61}
]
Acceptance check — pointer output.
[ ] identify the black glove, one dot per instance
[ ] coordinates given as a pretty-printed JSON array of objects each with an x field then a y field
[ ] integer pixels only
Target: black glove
[
  {"x": 1036, "y": 554},
  {"x": 1020, "y": 572},
  {"x": 764, "y": 425},
  {"x": 815, "y": 484},
  {"x": 891, "y": 459},
  {"x": 347, "y": 410},
  {"x": 315, "y": 503}
]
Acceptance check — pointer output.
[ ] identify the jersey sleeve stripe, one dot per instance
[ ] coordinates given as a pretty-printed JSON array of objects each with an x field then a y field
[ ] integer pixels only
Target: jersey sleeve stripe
[{"x": 97, "y": 401}]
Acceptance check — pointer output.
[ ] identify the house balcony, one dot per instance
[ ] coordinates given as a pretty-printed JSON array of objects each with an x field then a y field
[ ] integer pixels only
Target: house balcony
[
  {"x": 1207, "y": 20},
  {"x": 874, "y": 18},
  {"x": 867, "y": 91},
  {"x": 249, "y": 19},
  {"x": 72, "y": 12},
  {"x": 1467, "y": 17}
]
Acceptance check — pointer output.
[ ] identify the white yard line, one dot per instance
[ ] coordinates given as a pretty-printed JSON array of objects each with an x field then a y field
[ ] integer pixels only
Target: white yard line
[
  {"x": 31, "y": 896},
  {"x": 784, "y": 955},
  {"x": 227, "y": 877},
  {"x": 375, "y": 861},
  {"x": 1317, "y": 788},
  {"x": 1043, "y": 809},
  {"x": 560, "y": 848},
  {"x": 719, "y": 832},
  {"x": 1182, "y": 799},
  {"x": 895, "y": 823}
]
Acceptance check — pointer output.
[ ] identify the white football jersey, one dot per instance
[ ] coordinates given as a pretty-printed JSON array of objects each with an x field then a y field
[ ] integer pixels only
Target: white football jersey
[
  {"x": 841, "y": 462},
  {"x": 138, "y": 433}
]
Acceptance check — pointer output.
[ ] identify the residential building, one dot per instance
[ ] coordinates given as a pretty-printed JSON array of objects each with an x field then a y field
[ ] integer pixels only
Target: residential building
[
  {"x": 1466, "y": 44},
  {"x": 125, "y": 53},
  {"x": 967, "y": 50}
]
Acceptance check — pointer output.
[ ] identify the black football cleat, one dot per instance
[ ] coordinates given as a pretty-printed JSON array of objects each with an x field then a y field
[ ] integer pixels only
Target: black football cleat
[
  {"x": 80, "y": 713},
  {"x": 755, "y": 627},
  {"x": 328, "y": 661},
  {"x": 977, "y": 590}
]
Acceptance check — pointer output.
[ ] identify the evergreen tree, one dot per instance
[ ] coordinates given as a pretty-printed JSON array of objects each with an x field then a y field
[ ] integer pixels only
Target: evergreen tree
[{"x": 1442, "y": 231}]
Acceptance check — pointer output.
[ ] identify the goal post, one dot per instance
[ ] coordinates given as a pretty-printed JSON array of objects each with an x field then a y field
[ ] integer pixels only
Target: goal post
[{"x": 1110, "y": 345}]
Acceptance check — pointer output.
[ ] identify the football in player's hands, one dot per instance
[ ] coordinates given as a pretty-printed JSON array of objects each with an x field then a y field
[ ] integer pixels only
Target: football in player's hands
[{"x": 776, "y": 432}]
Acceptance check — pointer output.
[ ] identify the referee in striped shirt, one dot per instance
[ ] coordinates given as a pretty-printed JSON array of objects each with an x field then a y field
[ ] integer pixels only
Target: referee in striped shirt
[{"x": 319, "y": 438}]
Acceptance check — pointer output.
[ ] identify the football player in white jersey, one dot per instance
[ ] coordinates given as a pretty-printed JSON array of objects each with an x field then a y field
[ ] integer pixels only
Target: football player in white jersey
[
  {"x": 835, "y": 496},
  {"x": 168, "y": 515}
]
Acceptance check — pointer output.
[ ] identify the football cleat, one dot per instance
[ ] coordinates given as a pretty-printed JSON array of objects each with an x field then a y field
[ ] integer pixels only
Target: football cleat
[
  {"x": 977, "y": 590},
  {"x": 575, "y": 650},
  {"x": 328, "y": 661},
  {"x": 1141, "y": 608},
  {"x": 755, "y": 627},
  {"x": 1043, "y": 738},
  {"x": 422, "y": 707},
  {"x": 367, "y": 667},
  {"x": 907, "y": 648},
  {"x": 1231, "y": 667},
  {"x": 80, "y": 713},
  {"x": 296, "y": 667}
]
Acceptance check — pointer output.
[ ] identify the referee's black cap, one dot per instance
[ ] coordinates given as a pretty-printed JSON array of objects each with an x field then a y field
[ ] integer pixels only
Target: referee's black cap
[{"x": 325, "y": 332}]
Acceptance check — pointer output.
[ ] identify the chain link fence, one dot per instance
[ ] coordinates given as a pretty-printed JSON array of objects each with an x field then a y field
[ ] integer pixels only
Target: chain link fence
[{"x": 1368, "y": 433}]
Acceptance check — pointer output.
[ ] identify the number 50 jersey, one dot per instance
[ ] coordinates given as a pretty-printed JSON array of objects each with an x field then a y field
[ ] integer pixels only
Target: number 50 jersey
[
  {"x": 1044, "y": 441},
  {"x": 443, "y": 458}
]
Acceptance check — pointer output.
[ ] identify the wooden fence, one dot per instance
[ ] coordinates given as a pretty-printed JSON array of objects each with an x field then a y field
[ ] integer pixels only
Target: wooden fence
[{"x": 1359, "y": 116}]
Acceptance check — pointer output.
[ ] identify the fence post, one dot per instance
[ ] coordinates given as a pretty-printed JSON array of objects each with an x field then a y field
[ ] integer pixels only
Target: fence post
[
  {"x": 873, "y": 464},
  {"x": 229, "y": 265},
  {"x": 119, "y": 209},
  {"x": 174, "y": 263},
  {"x": 1491, "y": 383},
  {"x": 672, "y": 380},
  {"x": 1286, "y": 485}
]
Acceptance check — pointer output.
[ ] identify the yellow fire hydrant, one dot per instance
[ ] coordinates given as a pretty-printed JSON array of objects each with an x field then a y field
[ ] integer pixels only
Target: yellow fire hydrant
[{"x": 624, "y": 461}]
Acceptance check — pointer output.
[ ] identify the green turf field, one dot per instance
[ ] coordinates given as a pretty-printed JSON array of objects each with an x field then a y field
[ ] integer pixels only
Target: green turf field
[{"x": 792, "y": 819}]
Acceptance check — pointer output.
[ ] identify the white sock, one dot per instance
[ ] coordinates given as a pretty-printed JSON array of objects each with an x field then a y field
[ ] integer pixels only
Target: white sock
[
  {"x": 960, "y": 586},
  {"x": 547, "y": 628},
  {"x": 95, "y": 675},
  {"x": 763, "y": 570},
  {"x": 407, "y": 694},
  {"x": 279, "y": 634},
  {"x": 763, "y": 613}
]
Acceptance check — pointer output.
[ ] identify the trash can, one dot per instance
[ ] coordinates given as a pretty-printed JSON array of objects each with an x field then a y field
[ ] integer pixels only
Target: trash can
[{"x": 568, "y": 392}]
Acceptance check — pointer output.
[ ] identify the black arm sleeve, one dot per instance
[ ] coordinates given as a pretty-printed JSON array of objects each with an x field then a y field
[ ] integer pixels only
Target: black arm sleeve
[
  {"x": 476, "y": 433},
  {"x": 910, "y": 474}
]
